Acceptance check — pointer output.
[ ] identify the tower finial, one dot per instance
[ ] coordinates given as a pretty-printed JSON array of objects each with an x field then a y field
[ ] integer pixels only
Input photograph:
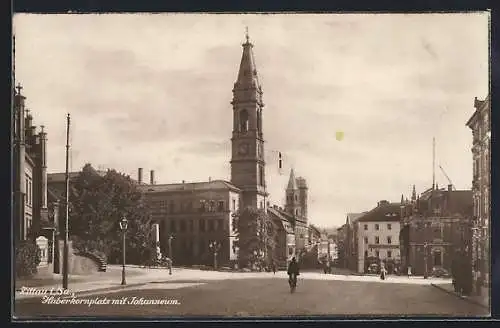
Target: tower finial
[{"x": 246, "y": 34}]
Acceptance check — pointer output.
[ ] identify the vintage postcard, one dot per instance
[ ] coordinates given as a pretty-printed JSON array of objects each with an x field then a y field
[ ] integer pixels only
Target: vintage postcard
[{"x": 251, "y": 165}]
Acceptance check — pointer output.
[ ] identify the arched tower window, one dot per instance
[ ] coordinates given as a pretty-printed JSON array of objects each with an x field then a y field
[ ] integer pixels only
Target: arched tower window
[
  {"x": 244, "y": 121},
  {"x": 259, "y": 120}
]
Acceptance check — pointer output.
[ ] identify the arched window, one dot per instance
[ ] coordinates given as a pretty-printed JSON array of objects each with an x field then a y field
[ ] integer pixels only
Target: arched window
[
  {"x": 259, "y": 120},
  {"x": 244, "y": 121}
]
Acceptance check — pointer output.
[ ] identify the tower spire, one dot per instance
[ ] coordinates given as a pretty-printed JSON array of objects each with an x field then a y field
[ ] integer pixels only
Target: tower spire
[
  {"x": 246, "y": 34},
  {"x": 292, "y": 183},
  {"x": 413, "y": 194}
]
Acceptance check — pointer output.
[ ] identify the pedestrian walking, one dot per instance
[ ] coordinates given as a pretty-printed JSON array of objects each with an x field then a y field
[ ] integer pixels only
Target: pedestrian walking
[
  {"x": 273, "y": 266},
  {"x": 383, "y": 271}
]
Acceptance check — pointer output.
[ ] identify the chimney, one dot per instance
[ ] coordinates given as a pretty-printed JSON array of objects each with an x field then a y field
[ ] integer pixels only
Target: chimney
[
  {"x": 183, "y": 181},
  {"x": 139, "y": 175},
  {"x": 209, "y": 179},
  {"x": 450, "y": 187},
  {"x": 152, "y": 177}
]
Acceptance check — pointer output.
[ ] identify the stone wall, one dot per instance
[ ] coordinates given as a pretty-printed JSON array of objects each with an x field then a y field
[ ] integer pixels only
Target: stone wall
[{"x": 78, "y": 265}]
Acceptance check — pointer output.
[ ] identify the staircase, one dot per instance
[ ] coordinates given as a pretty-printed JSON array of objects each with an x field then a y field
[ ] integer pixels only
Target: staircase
[{"x": 99, "y": 260}]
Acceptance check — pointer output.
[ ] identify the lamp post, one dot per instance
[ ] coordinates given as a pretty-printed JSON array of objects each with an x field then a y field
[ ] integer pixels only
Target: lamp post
[
  {"x": 425, "y": 260},
  {"x": 170, "y": 253},
  {"x": 214, "y": 247},
  {"x": 123, "y": 227}
]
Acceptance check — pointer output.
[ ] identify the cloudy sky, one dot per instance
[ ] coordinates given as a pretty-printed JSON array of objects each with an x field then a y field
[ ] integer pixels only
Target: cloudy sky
[{"x": 154, "y": 91}]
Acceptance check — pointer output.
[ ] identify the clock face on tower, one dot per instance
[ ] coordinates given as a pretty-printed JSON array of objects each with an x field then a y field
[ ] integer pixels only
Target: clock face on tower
[{"x": 243, "y": 149}]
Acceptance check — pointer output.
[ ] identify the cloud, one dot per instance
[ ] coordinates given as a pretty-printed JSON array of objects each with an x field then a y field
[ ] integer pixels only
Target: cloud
[{"x": 154, "y": 91}]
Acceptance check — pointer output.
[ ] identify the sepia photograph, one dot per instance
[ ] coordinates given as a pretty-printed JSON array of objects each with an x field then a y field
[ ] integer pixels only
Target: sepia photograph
[{"x": 183, "y": 166}]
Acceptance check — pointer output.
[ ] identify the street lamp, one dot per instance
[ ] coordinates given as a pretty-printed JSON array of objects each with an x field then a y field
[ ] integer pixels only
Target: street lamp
[
  {"x": 170, "y": 253},
  {"x": 123, "y": 227},
  {"x": 214, "y": 246},
  {"x": 425, "y": 260}
]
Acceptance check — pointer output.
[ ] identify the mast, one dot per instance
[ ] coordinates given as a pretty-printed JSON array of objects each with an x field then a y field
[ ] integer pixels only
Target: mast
[{"x": 433, "y": 162}]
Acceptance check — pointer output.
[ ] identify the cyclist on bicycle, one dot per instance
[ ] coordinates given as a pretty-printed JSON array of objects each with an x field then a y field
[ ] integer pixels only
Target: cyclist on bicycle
[{"x": 293, "y": 271}]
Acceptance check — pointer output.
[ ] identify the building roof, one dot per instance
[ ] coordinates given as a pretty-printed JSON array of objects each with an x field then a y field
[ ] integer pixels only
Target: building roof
[
  {"x": 353, "y": 217},
  {"x": 192, "y": 186},
  {"x": 247, "y": 74},
  {"x": 383, "y": 212},
  {"x": 61, "y": 177},
  {"x": 292, "y": 182},
  {"x": 452, "y": 202},
  {"x": 282, "y": 220}
]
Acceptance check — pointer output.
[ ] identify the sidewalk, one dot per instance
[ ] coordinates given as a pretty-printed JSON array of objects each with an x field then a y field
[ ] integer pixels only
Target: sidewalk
[{"x": 482, "y": 300}]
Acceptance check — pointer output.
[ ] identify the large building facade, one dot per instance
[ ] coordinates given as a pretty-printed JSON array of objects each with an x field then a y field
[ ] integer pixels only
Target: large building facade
[
  {"x": 436, "y": 230},
  {"x": 31, "y": 219},
  {"x": 480, "y": 124},
  {"x": 194, "y": 215},
  {"x": 377, "y": 236}
]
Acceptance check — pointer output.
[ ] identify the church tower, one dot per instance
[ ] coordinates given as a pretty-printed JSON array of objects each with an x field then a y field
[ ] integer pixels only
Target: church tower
[
  {"x": 292, "y": 204},
  {"x": 247, "y": 142}
]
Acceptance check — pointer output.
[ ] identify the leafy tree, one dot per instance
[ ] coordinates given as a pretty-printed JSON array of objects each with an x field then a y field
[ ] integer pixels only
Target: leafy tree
[
  {"x": 98, "y": 204},
  {"x": 255, "y": 237}
]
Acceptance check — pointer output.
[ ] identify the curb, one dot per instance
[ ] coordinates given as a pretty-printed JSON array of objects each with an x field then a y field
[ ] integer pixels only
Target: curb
[{"x": 465, "y": 298}]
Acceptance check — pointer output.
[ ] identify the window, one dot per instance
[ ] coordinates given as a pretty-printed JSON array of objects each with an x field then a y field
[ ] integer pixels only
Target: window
[
  {"x": 261, "y": 204},
  {"x": 221, "y": 225},
  {"x": 220, "y": 206},
  {"x": 389, "y": 226},
  {"x": 172, "y": 206},
  {"x": 183, "y": 226},
  {"x": 296, "y": 211},
  {"x": 366, "y": 240},
  {"x": 366, "y": 226},
  {"x": 172, "y": 226},
  {"x": 234, "y": 204},
  {"x": 202, "y": 225},
  {"x": 243, "y": 121},
  {"x": 26, "y": 190},
  {"x": 377, "y": 254},
  {"x": 202, "y": 205},
  {"x": 210, "y": 225},
  {"x": 377, "y": 240},
  {"x": 290, "y": 251},
  {"x": 296, "y": 198},
  {"x": 377, "y": 227},
  {"x": 366, "y": 253},
  {"x": 437, "y": 258},
  {"x": 389, "y": 254},
  {"x": 212, "y": 206},
  {"x": 191, "y": 225},
  {"x": 389, "y": 240}
]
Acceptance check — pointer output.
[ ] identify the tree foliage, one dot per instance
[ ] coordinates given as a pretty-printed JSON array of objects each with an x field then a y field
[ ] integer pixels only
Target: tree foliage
[
  {"x": 255, "y": 237},
  {"x": 98, "y": 204},
  {"x": 27, "y": 258}
]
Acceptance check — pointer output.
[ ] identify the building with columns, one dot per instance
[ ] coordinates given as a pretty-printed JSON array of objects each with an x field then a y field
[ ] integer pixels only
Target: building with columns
[{"x": 480, "y": 124}]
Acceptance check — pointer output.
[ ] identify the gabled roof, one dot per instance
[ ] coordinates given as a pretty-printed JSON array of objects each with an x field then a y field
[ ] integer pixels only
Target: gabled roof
[
  {"x": 192, "y": 186},
  {"x": 353, "y": 217},
  {"x": 383, "y": 212},
  {"x": 280, "y": 219}
]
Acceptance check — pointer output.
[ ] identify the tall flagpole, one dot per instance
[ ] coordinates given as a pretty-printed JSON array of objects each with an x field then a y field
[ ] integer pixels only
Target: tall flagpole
[{"x": 66, "y": 225}]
